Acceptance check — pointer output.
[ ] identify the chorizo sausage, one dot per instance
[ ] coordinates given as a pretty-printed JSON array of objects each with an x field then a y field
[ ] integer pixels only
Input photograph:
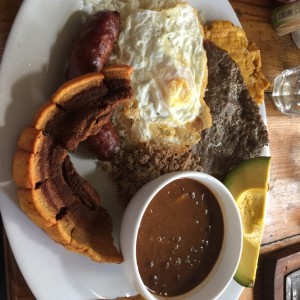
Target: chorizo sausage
[
  {"x": 94, "y": 43},
  {"x": 106, "y": 143}
]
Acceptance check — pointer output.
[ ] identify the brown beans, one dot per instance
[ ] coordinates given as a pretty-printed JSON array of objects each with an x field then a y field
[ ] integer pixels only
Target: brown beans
[
  {"x": 94, "y": 43},
  {"x": 105, "y": 144}
]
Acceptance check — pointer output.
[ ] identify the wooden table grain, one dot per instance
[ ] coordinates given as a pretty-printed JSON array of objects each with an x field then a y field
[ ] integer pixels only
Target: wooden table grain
[{"x": 278, "y": 53}]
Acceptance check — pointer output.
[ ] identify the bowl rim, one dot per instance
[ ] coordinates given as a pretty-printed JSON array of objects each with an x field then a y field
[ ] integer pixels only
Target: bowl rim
[{"x": 230, "y": 252}]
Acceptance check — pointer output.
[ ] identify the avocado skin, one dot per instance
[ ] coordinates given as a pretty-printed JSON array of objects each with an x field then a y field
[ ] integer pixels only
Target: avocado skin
[{"x": 248, "y": 184}]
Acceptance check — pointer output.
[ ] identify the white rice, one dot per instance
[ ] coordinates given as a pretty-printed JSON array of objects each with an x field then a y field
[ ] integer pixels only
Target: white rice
[{"x": 126, "y": 7}]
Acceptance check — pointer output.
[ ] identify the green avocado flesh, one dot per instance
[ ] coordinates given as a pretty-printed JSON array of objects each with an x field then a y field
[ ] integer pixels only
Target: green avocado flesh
[{"x": 248, "y": 184}]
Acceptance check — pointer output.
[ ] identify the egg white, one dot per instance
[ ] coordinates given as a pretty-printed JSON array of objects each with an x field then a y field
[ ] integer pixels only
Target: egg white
[{"x": 165, "y": 49}]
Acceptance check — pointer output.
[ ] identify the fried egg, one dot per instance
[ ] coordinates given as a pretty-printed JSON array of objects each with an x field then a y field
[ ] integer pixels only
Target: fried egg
[{"x": 165, "y": 49}]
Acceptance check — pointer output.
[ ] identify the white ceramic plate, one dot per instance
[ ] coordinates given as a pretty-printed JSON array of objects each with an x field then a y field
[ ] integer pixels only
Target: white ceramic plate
[{"x": 32, "y": 68}]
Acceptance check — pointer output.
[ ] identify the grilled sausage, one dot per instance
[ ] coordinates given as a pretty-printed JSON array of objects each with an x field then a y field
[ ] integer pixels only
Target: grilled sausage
[
  {"x": 105, "y": 144},
  {"x": 94, "y": 43}
]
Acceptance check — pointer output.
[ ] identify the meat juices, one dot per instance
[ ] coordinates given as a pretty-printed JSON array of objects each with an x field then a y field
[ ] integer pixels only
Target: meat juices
[{"x": 180, "y": 238}]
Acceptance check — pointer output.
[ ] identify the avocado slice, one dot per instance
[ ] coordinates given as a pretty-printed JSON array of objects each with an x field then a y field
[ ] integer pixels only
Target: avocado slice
[{"x": 248, "y": 183}]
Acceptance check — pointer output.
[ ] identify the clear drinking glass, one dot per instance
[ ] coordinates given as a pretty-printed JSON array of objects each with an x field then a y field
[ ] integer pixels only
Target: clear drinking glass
[{"x": 286, "y": 92}]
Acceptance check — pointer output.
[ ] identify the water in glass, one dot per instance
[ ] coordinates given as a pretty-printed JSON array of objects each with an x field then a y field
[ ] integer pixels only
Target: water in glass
[{"x": 286, "y": 92}]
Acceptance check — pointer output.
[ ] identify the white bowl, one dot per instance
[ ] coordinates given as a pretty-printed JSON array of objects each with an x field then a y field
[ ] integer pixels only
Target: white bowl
[{"x": 224, "y": 269}]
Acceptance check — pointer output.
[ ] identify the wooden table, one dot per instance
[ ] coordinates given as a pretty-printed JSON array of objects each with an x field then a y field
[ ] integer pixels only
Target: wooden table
[{"x": 283, "y": 214}]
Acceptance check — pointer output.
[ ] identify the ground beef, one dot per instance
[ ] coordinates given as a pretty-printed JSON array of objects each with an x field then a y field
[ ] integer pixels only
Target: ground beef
[
  {"x": 131, "y": 169},
  {"x": 238, "y": 131}
]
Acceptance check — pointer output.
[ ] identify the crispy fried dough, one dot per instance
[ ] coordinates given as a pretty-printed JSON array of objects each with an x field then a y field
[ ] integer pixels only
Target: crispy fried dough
[
  {"x": 50, "y": 191},
  {"x": 233, "y": 39}
]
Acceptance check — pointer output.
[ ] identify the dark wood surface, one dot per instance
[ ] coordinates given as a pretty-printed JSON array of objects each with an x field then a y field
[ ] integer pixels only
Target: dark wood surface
[
  {"x": 277, "y": 266},
  {"x": 283, "y": 213}
]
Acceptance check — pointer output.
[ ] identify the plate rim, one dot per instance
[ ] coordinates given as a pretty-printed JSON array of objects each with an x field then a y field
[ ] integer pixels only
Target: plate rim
[{"x": 16, "y": 24}]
